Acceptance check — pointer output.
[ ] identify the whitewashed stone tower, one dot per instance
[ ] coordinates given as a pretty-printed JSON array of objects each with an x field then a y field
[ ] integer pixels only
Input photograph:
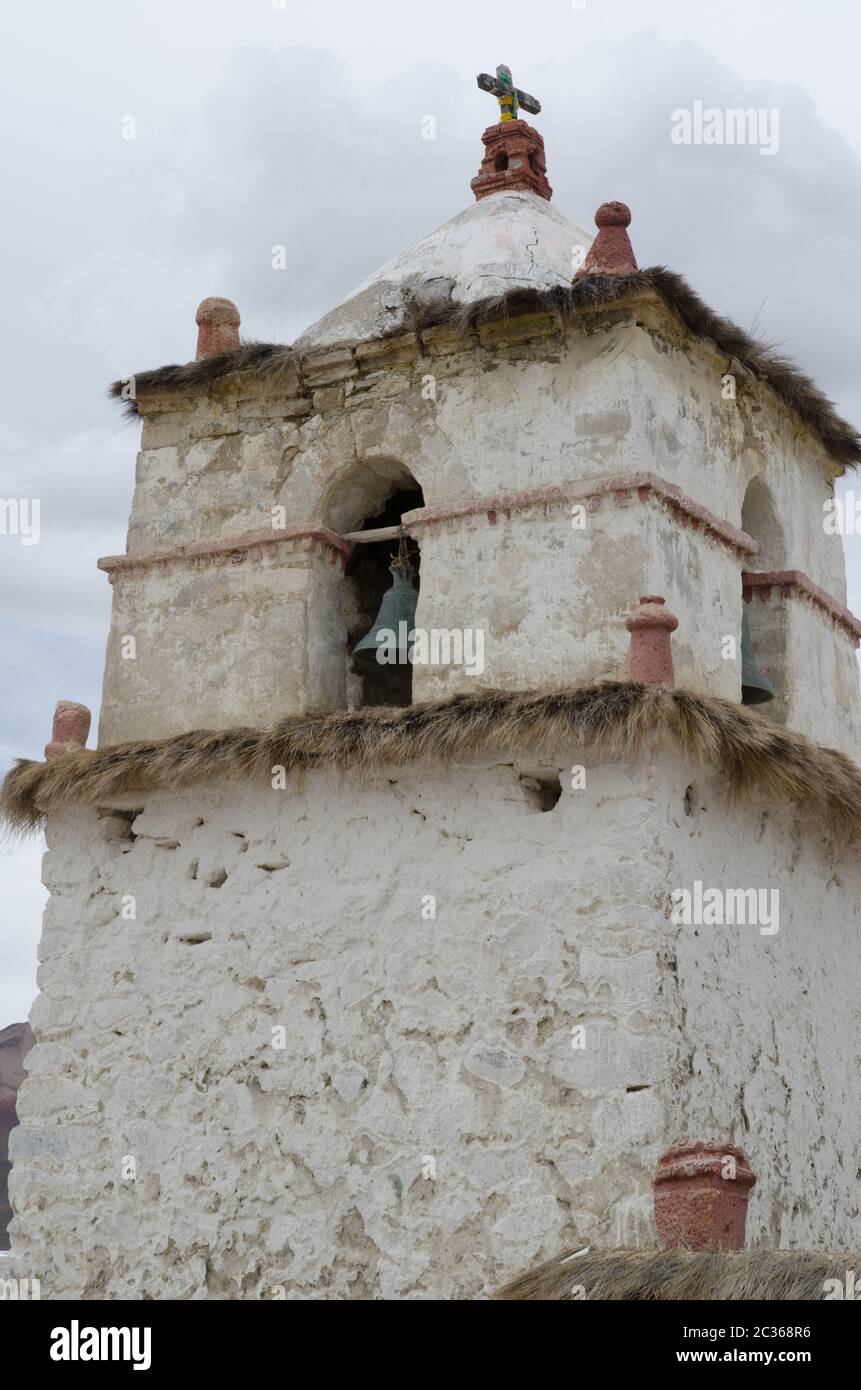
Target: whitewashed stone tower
[{"x": 352, "y": 1002}]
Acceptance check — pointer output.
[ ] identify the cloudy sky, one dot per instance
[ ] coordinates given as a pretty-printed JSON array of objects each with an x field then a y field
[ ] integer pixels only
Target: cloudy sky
[{"x": 259, "y": 123}]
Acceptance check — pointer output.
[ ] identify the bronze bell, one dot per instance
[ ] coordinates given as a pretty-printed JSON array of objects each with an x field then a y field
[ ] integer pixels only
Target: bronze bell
[
  {"x": 397, "y": 615},
  {"x": 755, "y": 688}
]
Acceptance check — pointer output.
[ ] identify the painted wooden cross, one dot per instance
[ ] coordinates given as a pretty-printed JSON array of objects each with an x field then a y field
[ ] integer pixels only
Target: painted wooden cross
[{"x": 510, "y": 98}]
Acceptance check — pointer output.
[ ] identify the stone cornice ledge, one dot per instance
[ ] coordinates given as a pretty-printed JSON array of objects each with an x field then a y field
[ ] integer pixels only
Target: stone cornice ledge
[
  {"x": 231, "y": 550},
  {"x": 622, "y": 487},
  {"x": 797, "y": 584}
]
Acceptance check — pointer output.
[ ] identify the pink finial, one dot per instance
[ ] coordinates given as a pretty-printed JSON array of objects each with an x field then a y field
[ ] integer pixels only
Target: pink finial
[
  {"x": 611, "y": 253},
  {"x": 71, "y": 729},
  {"x": 650, "y": 656},
  {"x": 701, "y": 1192},
  {"x": 217, "y": 327}
]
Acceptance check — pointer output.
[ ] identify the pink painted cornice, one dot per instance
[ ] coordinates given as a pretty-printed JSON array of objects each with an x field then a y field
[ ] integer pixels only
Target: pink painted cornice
[
  {"x": 232, "y": 550},
  {"x": 796, "y": 584},
  {"x": 622, "y": 488}
]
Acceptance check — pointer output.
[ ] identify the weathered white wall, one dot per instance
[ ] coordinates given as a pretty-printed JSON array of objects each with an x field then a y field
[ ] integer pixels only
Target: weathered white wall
[
  {"x": 552, "y": 600},
  {"x": 771, "y": 1024},
  {"x": 405, "y": 1038},
  {"x": 519, "y": 405},
  {"x": 219, "y": 644},
  {"x": 813, "y": 664}
]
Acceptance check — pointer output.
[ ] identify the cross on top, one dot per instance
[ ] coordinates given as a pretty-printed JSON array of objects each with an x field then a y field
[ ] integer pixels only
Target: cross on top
[{"x": 510, "y": 98}]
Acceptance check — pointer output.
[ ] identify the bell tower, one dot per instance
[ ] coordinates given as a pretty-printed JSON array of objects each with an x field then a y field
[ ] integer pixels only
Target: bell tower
[{"x": 432, "y": 861}]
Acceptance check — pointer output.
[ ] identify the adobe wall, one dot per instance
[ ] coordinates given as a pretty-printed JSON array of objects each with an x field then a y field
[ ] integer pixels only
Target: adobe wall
[{"x": 415, "y": 1045}]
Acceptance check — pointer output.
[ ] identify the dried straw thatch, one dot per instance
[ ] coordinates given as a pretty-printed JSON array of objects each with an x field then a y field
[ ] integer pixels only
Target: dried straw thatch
[
  {"x": 674, "y": 1275},
  {"x": 788, "y": 382},
  {"x": 756, "y": 758},
  {"x": 252, "y": 360}
]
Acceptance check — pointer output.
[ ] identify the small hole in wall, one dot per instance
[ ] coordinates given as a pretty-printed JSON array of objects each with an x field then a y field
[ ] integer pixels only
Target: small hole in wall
[
  {"x": 128, "y": 816},
  {"x": 216, "y": 878},
  {"x": 689, "y": 800},
  {"x": 543, "y": 791}
]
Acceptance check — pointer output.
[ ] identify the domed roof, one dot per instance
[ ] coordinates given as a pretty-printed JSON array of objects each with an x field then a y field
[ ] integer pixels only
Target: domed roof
[{"x": 507, "y": 241}]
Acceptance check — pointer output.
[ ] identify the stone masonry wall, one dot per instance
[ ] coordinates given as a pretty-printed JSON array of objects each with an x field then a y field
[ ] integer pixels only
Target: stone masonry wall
[{"x": 427, "y": 1127}]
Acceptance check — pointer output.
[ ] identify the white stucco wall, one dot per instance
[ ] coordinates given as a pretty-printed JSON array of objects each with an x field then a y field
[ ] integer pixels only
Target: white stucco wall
[
  {"x": 552, "y": 599},
  {"x": 300, "y": 1169},
  {"x": 221, "y": 644},
  {"x": 772, "y": 1023},
  {"x": 813, "y": 664}
]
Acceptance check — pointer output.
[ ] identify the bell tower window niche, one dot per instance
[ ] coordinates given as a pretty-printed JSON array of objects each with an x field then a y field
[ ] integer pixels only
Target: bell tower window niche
[
  {"x": 764, "y": 625},
  {"x": 371, "y": 500}
]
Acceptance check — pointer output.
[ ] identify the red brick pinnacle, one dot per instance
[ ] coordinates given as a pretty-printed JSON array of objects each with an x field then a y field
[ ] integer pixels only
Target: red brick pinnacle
[
  {"x": 701, "y": 1192},
  {"x": 217, "y": 327},
  {"x": 650, "y": 656},
  {"x": 611, "y": 253},
  {"x": 513, "y": 159},
  {"x": 71, "y": 729}
]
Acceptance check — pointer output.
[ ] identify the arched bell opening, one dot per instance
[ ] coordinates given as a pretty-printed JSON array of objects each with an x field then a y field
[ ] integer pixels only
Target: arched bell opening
[
  {"x": 384, "y": 577},
  {"x": 374, "y": 497},
  {"x": 761, "y": 520},
  {"x": 763, "y": 630}
]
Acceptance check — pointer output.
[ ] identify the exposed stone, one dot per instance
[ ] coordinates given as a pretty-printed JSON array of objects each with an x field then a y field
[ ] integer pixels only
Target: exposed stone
[{"x": 324, "y": 368}]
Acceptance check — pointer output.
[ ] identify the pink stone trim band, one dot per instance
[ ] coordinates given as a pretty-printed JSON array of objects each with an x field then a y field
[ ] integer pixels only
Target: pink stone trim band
[
  {"x": 796, "y": 584},
  {"x": 232, "y": 550},
  {"x": 591, "y": 491}
]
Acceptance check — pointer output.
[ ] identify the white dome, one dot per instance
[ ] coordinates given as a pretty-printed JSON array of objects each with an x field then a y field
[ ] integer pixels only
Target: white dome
[{"x": 506, "y": 241}]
